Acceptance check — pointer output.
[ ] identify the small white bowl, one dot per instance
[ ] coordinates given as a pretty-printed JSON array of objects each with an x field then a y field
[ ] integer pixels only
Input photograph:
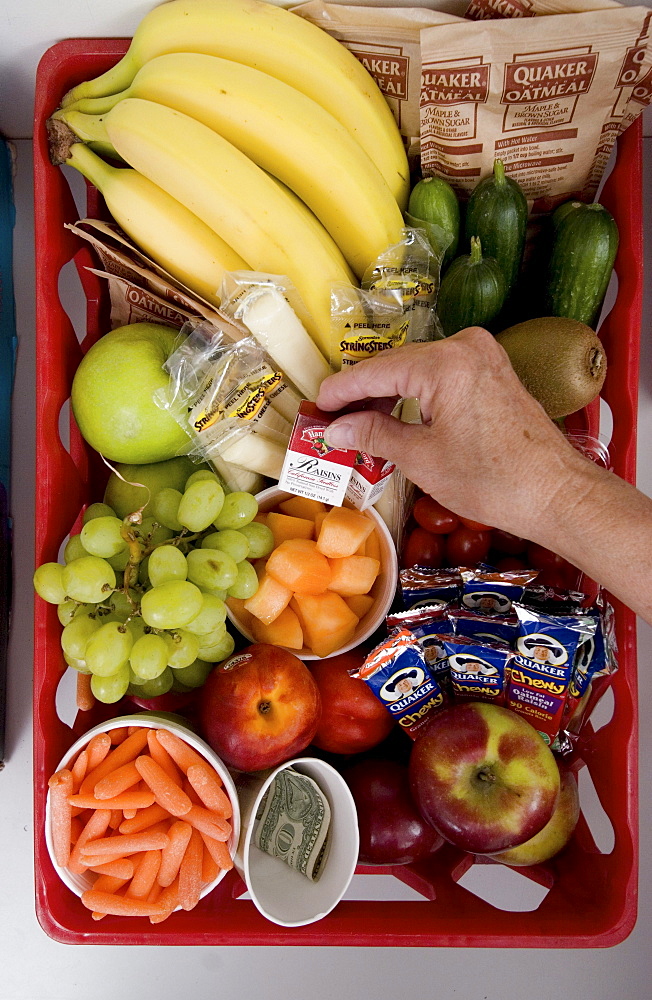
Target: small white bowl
[
  {"x": 281, "y": 894},
  {"x": 382, "y": 591},
  {"x": 151, "y": 720}
]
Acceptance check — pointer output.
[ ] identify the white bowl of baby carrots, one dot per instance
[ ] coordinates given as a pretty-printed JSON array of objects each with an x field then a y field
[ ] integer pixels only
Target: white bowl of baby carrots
[{"x": 142, "y": 818}]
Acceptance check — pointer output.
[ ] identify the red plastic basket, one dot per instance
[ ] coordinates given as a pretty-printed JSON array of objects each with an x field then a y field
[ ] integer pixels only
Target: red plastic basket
[{"x": 591, "y": 900}]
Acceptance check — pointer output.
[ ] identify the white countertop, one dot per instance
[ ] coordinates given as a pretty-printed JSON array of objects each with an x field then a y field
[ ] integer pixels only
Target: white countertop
[{"x": 32, "y": 966}]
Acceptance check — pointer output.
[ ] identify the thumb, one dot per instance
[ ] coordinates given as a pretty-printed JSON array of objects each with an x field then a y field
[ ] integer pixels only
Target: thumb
[{"x": 376, "y": 433}]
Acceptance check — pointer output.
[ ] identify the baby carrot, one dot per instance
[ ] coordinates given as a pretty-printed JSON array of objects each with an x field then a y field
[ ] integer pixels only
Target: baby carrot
[
  {"x": 219, "y": 852},
  {"x": 108, "y": 883},
  {"x": 107, "y": 902},
  {"x": 96, "y": 826},
  {"x": 190, "y": 880},
  {"x": 91, "y": 863},
  {"x": 171, "y": 856},
  {"x": 144, "y": 818},
  {"x": 76, "y": 827},
  {"x": 162, "y": 757},
  {"x": 144, "y": 875},
  {"x": 208, "y": 822},
  {"x": 123, "y": 868},
  {"x": 205, "y": 781},
  {"x": 117, "y": 781},
  {"x": 168, "y": 900},
  {"x": 84, "y": 697},
  {"x": 209, "y": 867},
  {"x": 60, "y": 785},
  {"x": 125, "y": 844},
  {"x": 131, "y": 799},
  {"x": 191, "y": 793},
  {"x": 116, "y": 818},
  {"x": 122, "y": 754},
  {"x": 180, "y": 752},
  {"x": 97, "y": 749},
  {"x": 79, "y": 769},
  {"x": 118, "y": 735},
  {"x": 166, "y": 792}
]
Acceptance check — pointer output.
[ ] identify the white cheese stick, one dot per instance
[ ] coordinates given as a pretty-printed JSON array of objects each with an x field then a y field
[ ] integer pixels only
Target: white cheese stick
[{"x": 256, "y": 453}]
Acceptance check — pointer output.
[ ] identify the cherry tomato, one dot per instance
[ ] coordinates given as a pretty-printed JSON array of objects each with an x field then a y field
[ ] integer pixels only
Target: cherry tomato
[
  {"x": 465, "y": 547},
  {"x": 434, "y": 517},
  {"x": 542, "y": 558},
  {"x": 504, "y": 541},
  {"x": 423, "y": 548},
  {"x": 475, "y": 525},
  {"x": 510, "y": 562}
]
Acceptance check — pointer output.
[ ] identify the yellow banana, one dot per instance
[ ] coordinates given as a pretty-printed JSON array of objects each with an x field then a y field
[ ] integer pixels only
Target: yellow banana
[
  {"x": 287, "y": 134},
  {"x": 166, "y": 231},
  {"x": 237, "y": 199},
  {"x": 279, "y": 43}
]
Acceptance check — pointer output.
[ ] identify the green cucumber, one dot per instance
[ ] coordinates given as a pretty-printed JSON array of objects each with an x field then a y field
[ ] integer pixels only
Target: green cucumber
[
  {"x": 584, "y": 246},
  {"x": 433, "y": 201},
  {"x": 472, "y": 291},
  {"x": 497, "y": 212}
]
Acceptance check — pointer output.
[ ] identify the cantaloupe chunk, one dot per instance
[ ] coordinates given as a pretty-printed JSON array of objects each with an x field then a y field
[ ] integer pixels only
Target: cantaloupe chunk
[
  {"x": 328, "y": 622},
  {"x": 297, "y": 564},
  {"x": 271, "y": 598},
  {"x": 302, "y": 507},
  {"x": 319, "y": 520},
  {"x": 283, "y": 527},
  {"x": 245, "y": 618},
  {"x": 283, "y": 631},
  {"x": 372, "y": 545},
  {"x": 342, "y": 532},
  {"x": 353, "y": 575},
  {"x": 360, "y": 604}
]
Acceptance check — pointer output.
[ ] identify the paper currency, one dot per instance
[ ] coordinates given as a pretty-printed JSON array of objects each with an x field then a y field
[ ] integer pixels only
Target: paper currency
[{"x": 293, "y": 821}]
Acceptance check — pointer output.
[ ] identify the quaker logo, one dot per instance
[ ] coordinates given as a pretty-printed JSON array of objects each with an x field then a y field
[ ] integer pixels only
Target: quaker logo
[
  {"x": 546, "y": 79},
  {"x": 314, "y": 436},
  {"x": 490, "y": 602},
  {"x": 432, "y": 651},
  {"x": 402, "y": 683},
  {"x": 388, "y": 70},
  {"x": 455, "y": 84},
  {"x": 542, "y": 648},
  {"x": 465, "y": 663}
]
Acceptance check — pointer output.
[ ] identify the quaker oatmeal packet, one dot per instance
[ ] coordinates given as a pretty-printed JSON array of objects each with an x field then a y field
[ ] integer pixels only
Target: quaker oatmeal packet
[
  {"x": 386, "y": 40},
  {"x": 546, "y": 95},
  {"x": 486, "y": 10}
]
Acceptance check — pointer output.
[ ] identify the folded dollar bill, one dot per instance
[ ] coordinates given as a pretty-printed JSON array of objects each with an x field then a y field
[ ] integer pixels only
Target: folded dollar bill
[{"x": 293, "y": 821}]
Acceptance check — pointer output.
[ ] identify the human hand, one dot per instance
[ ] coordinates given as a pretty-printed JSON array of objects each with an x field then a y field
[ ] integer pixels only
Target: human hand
[{"x": 486, "y": 449}]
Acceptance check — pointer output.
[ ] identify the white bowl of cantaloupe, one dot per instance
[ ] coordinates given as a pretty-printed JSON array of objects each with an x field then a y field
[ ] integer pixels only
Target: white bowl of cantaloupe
[{"x": 328, "y": 583}]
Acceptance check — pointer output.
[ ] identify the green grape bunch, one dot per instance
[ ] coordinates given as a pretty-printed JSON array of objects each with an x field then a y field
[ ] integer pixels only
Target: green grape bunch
[{"x": 141, "y": 600}]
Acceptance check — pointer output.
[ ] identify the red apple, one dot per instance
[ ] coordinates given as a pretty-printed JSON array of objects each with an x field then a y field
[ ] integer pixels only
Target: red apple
[
  {"x": 259, "y": 708},
  {"x": 483, "y": 777},
  {"x": 392, "y": 832},
  {"x": 352, "y": 718},
  {"x": 555, "y": 834}
]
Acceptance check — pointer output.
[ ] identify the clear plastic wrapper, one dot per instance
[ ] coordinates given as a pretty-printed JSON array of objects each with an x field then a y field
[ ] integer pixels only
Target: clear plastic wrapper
[
  {"x": 270, "y": 308},
  {"x": 236, "y": 407}
]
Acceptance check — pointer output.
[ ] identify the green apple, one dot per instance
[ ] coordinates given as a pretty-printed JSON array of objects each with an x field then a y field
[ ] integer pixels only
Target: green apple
[
  {"x": 113, "y": 395},
  {"x": 125, "y": 497}
]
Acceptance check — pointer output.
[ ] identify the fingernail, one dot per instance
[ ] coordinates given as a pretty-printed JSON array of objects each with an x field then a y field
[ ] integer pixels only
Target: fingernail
[{"x": 340, "y": 434}]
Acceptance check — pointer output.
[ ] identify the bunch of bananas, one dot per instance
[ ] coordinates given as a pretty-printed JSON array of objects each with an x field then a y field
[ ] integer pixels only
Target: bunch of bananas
[{"x": 251, "y": 139}]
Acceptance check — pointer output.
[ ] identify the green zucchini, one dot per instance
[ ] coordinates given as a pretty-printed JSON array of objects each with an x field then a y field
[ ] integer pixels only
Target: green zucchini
[
  {"x": 584, "y": 247},
  {"x": 472, "y": 291},
  {"x": 433, "y": 201},
  {"x": 497, "y": 212}
]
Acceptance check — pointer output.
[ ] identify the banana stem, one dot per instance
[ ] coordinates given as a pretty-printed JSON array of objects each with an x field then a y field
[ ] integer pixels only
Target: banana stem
[
  {"x": 90, "y": 165},
  {"x": 116, "y": 79},
  {"x": 96, "y": 105}
]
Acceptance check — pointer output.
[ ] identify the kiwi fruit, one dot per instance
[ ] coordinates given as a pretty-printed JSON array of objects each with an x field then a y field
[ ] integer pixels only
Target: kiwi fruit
[{"x": 560, "y": 361}]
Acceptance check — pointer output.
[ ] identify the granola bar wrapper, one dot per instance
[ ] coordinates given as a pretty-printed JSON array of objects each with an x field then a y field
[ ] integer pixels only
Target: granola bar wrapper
[
  {"x": 420, "y": 585},
  {"x": 546, "y": 95},
  {"x": 429, "y": 625},
  {"x": 478, "y": 670},
  {"x": 493, "y": 592},
  {"x": 485, "y": 628},
  {"x": 398, "y": 675},
  {"x": 542, "y": 667}
]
